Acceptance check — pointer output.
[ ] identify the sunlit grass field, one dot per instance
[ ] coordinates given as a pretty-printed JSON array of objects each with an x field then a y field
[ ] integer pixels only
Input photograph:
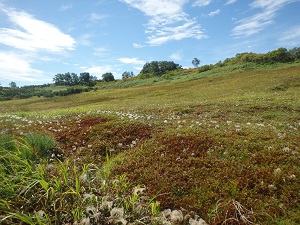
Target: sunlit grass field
[{"x": 221, "y": 145}]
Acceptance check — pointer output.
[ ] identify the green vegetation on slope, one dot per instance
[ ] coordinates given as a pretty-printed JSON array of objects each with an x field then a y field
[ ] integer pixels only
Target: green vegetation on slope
[{"x": 223, "y": 143}]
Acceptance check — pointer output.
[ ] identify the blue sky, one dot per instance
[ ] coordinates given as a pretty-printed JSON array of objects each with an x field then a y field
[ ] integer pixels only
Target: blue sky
[{"x": 39, "y": 39}]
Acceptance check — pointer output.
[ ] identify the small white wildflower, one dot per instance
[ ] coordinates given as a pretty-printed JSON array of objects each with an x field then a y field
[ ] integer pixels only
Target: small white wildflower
[
  {"x": 106, "y": 204},
  {"x": 83, "y": 221},
  {"x": 50, "y": 167},
  {"x": 277, "y": 171},
  {"x": 272, "y": 187},
  {"x": 91, "y": 210},
  {"x": 292, "y": 176},
  {"x": 83, "y": 178},
  {"x": 40, "y": 214},
  {"x": 117, "y": 215},
  {"x": 139, "y": 209},
  {"x": 87, "y": 196},
  {"x": 137, "y": 191},
  {"x": 197, "y": 222},
  {"x": 166, "y": 213},
  {"x": 178, "y": 159},
  {"x": 176, "y": 216}
]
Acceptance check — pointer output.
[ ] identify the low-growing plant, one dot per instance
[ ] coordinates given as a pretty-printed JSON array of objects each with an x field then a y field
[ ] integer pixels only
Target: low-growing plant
[{"x": 41, "y": 144}]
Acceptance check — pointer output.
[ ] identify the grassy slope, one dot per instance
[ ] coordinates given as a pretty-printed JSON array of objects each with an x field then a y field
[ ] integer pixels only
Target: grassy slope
[{"x": 203, "y": 144}]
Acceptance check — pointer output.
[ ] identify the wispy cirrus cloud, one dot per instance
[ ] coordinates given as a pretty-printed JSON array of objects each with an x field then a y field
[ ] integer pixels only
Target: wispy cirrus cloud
[
  {"x": 213, "y": 13},
  {"x": 167, "y": 21},
  {"x": 135, "y": 45},
  {"x": 259, "y": 21},
  {"x": 27, "y": 41},
  {"x": 16, "y": 67},
  {"x": 31, "y": 34},
  {"x": 66, "y": 7},
  {"x": 101, "y": 51},
  {"x": 176, "y": 56},
  {"x": 202, "y": 2},
  {"x": 230, "y": 2},
  {"x": 97, "y": 16},
  {"x": 291, "y": 37}
]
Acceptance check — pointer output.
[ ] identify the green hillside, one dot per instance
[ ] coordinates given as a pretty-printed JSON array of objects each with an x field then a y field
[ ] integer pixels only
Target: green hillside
[{"x": 221, "y": 144}]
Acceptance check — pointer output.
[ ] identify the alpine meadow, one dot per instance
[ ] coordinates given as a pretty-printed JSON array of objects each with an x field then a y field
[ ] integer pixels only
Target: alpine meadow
[{"x": 218, "y": 144}]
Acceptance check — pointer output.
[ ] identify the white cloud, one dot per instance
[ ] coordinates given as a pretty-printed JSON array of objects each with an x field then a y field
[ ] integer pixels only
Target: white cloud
[
  {"x": 291, "y": 37},
  {"x": 213, "y": 13},
  {"x": 98, "y": 71},
  {"x": 85, "y": 40},
  {"x": 230, "y": 2},
  {"x": 30, "y": 34},
  {"x": 97, "y": 17},
  {"x": 102, "y": 51},
  {"x": 254, "y": 24},
  {"x": 137, "y": 45},
  {"x": 16, "y": 67},
  {"x": 66, "y": 7},
  {"x": 167, "y": 20},
  {"x": 162, "y": 32},
  {"x": 202, "y": 2},
  {"x": 176, "y": 56},
  {"x": 157, "y": 7},
  {"x": 132, "y": 61}
]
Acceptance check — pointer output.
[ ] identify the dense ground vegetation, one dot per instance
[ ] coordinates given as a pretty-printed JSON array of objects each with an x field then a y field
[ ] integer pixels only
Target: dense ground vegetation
[{"x": 222, "y": 145}]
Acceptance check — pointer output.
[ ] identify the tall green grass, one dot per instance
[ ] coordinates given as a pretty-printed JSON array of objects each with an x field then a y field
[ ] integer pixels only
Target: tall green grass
[{"x": 61, "y": 193}]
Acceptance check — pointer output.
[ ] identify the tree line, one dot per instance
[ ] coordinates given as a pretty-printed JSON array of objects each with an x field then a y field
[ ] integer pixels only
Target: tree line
[
  {"x": 7, "y": 93},
  {"x": 72, "y": 79},
  {"x": 280, "y": 55}
]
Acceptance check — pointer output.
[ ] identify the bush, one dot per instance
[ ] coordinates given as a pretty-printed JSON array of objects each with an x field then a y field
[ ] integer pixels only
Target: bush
[{"x": 204, "y": 68}]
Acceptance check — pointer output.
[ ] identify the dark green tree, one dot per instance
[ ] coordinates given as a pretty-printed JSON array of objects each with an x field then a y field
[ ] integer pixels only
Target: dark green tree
[
  {"x": 75, "y": 79},
  {"x": 280, "y": 55},
  {"x": 84, "y": 77},
  {"x": 295, "y": 53},
  {"x": 196, "y": 62},
  {"x": 107, "y": 77},
  {"x": 127, "y": 74},
  {"x": 59, "y": 79},
  {"x": 68, "y": 79},
  {"x": 12, "y": 84},
  {"x": 157, "y": 68}
]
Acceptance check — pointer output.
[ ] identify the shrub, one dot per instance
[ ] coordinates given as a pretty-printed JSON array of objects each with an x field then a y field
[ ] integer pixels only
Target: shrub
[{"x": 204, "y": 68}]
